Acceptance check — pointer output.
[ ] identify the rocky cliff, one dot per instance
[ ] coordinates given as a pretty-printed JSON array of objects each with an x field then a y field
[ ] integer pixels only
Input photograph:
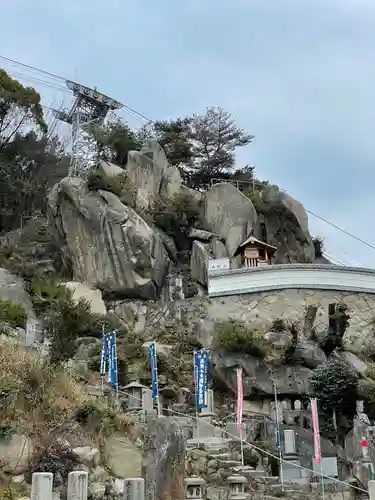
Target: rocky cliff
[{"x": 121, "y": 240}]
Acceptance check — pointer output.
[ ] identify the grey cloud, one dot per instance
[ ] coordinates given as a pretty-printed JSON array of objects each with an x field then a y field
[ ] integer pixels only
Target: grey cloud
[{"x": 297, "y": 74}]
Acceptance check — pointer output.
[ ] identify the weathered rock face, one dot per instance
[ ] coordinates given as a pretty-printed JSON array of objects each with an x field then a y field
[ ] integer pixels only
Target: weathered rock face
[
  {"x": 12, "y": 288},
  {"x": 200, "y": 254},
  {"x": 122, "y": 456},
  {"x": 15, "y": 454},
  {"x": 309, "y": 353},
  {"x": 152, "y": 175},
  {"x": 109, "y": 169},
  {"x": 83, "y": 292},
  {"x": 289, "y": 379},
  {"x": 287, "y": 228},
  {"x": 261, "y": 309},
  {"x": 230, "y": 214},
  {"x": 106, "y": 241},
  {"x": 163, "y": 466}
]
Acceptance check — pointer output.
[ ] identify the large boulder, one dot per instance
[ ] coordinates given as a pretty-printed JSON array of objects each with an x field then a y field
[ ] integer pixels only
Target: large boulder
[
  {"x": 109, "y": 169},
  {"x": 287, "y": 229},
  {"x": 94, "y": 298},
  {"x": 13, "y": 288},
  {"x": 107, "y": 242},
  {"x": 146, "y": 175},
  {"x": 149, "y": 170},
  {"x": 163, "y": 466},
  {"x": 230, "y": 214},
  {"x": 15, "y": 454},
  {"x": 122, "y": 456},
  {"x": 200, "y": 254},
  {"x": 309, "y": 353},
  {"x": 290, "y": 380}
]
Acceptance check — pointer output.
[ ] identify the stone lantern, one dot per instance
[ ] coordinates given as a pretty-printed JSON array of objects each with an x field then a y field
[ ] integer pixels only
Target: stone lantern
[
  {"x": 135, "y": 392},
  {"x": 193, "y": 488},
  {"x": 237, "y": 487}
]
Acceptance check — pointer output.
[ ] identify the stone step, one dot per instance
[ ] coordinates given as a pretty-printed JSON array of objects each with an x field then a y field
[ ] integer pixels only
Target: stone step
[
  {"x": 254, "y": 473},
  {"x": 209, "y": 442},
  {"x": 277, "y": 488},
  {"x": 271, "y": 480},
  {"x": 220, "y": 456},
  {"x": 227, "y": 464}
]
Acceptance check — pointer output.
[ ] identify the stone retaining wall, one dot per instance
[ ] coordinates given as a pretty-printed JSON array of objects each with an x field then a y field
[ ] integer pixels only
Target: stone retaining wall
[{"x": 261, "y": 309}]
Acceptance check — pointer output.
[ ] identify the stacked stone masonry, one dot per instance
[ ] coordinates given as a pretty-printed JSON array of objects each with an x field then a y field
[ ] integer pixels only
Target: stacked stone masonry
[{"x": 261, "y": 309}]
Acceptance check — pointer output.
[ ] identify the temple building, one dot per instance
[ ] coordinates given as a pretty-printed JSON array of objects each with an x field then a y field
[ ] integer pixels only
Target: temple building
[{"x": 255, "y": 253}]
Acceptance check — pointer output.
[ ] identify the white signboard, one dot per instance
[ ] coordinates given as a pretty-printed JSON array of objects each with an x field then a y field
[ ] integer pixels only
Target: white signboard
[
  {"x": 329, "y": 466},
  {"x": 218, "y": 264},
  {"x": 34, "y": 332}
]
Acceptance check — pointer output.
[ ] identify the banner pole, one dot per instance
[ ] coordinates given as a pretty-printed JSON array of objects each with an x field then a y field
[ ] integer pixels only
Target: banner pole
[
  {"x": 279, "y": 437},
  {"x": 154, "y": 376},
  {"x": 158, "y": 402},
  {"x": 242, "y": 456},
  {"x": 196, "y": 392},
  {"x": 240, "y": 409},
  {"x": 117, "y": 391},
  {"x": 320, "y": 457},
  {"x": 102, "y": 362}
]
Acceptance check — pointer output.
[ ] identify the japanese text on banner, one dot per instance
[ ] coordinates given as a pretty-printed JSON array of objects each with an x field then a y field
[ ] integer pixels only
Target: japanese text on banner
[
  {"x": 201, "y": 377},
  {"x": 154, "y": 369}
]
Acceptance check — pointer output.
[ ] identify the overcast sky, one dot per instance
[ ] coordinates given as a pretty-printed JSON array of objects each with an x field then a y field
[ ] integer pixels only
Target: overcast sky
[{"x": 298, "y": 74}]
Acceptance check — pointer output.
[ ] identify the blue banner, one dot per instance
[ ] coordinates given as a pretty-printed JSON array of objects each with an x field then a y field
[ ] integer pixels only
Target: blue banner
[
  {"x": 103, "y": 356},
  {"x": 277, "y": 438},
  {"x": 201, "y": 377},
  {"x": 112, "y": 359},
  {"x": 154, "y": 369}
]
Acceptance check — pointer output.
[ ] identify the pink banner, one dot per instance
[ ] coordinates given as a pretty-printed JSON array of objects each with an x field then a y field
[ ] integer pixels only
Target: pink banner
[
  {"x": 315, "y": 421},
  {"x": 239, "y": 399}
]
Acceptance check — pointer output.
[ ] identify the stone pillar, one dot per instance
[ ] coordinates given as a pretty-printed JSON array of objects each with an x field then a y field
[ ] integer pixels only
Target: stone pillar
[
  {"x": 289, "y": 442},
  {"x": 237, "y": 487},
  {"x": 291, "y": 469},
  {"x": 134, "y": 488},
  {"x": 210, "y": 403},
  {"x": 77, "y": 485},
  {"x": 163, "y": 464},
  {"x": 193, "y": 488},
  {"x": 371, "y": 490},
  {"x": 41, "y": 486}
]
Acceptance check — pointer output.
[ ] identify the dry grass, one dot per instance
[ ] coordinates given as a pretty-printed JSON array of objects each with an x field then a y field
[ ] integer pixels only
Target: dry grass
[
  {"x": 34, "y": 393},
  {"x": 38, "y": 398}
]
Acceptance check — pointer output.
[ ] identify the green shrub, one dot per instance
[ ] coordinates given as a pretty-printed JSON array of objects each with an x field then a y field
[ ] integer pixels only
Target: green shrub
[
  {"x": 255, "y": 196},
  {"x": 12, "y": 313},
  {"x": 176, "y": 216},
  {"x": 118, "y": 185},
  {"x": 46, "y": 294},
  {"x": 236, "y": 336},
  {"x": 250, "y": 457},
  {"x": 335, "y": 385},
  {"x": 278, "y": 325}
]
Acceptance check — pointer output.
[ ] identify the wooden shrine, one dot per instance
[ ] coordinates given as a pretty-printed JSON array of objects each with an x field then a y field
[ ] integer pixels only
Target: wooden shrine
[{"x": 255, "y": 253}]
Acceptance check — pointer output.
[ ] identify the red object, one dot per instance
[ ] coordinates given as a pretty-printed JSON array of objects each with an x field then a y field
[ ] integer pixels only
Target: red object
[
  {"x": 315, "y": 419},
  {"x": 239, "y": 399},
  {"x": 363, "y": 442}
]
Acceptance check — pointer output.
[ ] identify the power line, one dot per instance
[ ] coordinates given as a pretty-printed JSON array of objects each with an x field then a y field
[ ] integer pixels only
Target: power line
[
  {"x": 324, "y": 220},
  {"x": 336, "y": 261},
  {"x": 342, "y": 230},
  {"x": 28, "y": 66},
  {"x": 53, "y": 75},
  {"x": 232, "y": 436},
  {"x": 355, "y": 258},
  {"x": 138, "y": 115}
]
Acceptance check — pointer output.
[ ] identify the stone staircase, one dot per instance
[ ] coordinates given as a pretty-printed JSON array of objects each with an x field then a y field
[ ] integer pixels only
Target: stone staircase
[{"x": 227, "y": 455}]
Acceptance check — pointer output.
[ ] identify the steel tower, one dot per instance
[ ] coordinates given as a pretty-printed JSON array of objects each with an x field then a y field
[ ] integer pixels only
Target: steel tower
[{"x": 89, "y": 108}]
